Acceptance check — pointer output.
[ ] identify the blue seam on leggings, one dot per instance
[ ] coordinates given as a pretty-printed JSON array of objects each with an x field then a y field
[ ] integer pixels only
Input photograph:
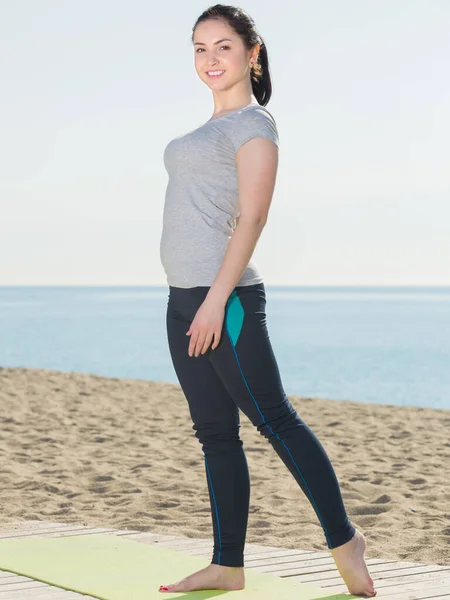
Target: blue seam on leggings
[
  {"x": 217, "y": 512},
  {"x": 232, "y": 298}
]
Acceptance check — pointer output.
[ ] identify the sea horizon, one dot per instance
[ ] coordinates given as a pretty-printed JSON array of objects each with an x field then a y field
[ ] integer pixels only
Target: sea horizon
[{"x": 379, "y": 344}]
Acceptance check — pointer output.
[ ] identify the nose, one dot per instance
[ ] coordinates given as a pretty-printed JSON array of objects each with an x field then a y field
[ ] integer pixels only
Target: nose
[{"x": 212, "y": 58}]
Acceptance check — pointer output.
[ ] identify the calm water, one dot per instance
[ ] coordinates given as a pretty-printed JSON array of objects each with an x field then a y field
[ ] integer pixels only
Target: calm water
[{"x": 384, "y": 345}]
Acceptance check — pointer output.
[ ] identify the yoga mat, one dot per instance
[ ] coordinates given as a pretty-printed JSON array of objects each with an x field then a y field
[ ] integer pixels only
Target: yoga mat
[{"x": 110, "y": 567}]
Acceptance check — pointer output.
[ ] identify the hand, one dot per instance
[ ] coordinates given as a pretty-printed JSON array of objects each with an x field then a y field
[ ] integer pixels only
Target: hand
[{"x": 207, "y": 324}]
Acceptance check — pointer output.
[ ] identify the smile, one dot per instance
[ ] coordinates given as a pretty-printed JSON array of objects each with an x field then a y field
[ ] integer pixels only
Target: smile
[{"x": 214, "y": 74}]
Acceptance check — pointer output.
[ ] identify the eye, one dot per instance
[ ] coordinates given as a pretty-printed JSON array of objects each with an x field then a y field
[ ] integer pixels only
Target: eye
[{"x": 221, "y": 47}]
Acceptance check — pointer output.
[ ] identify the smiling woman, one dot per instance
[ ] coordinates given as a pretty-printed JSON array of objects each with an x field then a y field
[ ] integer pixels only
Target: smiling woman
[{"x": 222, "y": 177}]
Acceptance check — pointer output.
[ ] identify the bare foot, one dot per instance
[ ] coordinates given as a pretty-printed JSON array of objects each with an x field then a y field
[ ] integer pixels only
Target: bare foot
[
  {"x": 212, "y": 577},
  {"x": 349, "y": 559}
]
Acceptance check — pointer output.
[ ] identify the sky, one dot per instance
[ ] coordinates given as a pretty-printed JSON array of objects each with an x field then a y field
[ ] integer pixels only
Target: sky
[{"x": 92, "y": 92}]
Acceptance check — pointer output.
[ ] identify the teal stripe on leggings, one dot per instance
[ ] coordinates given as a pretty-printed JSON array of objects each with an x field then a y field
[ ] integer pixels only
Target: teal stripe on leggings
[
  {"x": 234, "y": 317},
  {"x": 233, "y": 320}
]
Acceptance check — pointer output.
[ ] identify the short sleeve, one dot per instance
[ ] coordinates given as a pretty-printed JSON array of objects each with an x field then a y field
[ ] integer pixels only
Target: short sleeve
[{"x": 256, "y": 122}]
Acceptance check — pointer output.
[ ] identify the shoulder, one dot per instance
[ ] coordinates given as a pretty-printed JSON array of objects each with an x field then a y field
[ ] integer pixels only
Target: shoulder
[
  {"x": 255, "y": 113},
  {"x": 252, "y": 121}
]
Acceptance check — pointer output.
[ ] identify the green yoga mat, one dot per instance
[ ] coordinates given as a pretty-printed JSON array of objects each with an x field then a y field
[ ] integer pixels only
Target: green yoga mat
[{"x": 111, "y": 567}]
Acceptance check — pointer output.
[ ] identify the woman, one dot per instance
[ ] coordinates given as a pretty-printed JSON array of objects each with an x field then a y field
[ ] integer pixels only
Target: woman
[{"x": 221, "y": 180}]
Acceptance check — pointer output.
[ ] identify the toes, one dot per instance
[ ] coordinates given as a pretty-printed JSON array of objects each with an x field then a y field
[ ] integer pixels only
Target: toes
[{"x": 172, "y": 587}]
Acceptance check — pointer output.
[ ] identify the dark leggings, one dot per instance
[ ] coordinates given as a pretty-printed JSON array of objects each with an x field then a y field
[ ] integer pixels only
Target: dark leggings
[{"x": 242, "y": 373}]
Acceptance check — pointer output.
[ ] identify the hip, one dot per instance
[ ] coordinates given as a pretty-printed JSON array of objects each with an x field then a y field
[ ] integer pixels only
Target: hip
[{"x": 248, "y": 299}]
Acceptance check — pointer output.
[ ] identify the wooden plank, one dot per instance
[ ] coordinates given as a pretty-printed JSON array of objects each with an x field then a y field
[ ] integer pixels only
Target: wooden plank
[
  {"x": 249, "y": 556},
  {"x": 146, "y": 537},
  {"x": 55, "y": 532},
  {"x": 299, "y": 565},
  {"x": 282, "y": 555},
  {"x": 252, "y": 553},
  {"x": 292, "y": 565},
  {"x": 259, "y": 559},
  {"x": 4, "y": 575},
  {"x": 181, "y": 545},
  {"x": 250, "y": 550},
  {"x": 22, "y": 582},
  {"x": 417, "y": 575},
  {"x": 46, "y": 529},
  {"x": 75, "y": 530},
  {"x": 205, "y": 545},
  {"x": 412, "y": 594},
  {"x": 384, "y": 572},
  {"x": 41, "y": 525},
  {"x": 392, "y": 583},
  {"x": 303, "y": 559},
  {"x": 36, "y": 589},
  {"x": 47, "y": 594},
  {"x": 322, "y": 574},
  {"x": 408, "y": 590}
]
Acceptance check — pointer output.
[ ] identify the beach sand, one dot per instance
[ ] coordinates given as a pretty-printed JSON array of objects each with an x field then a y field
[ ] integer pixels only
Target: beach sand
[{"x": 108, "y": 452}]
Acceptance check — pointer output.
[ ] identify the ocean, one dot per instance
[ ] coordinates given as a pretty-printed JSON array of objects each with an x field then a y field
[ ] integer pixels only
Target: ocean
[{"x": 386, "y": 345}]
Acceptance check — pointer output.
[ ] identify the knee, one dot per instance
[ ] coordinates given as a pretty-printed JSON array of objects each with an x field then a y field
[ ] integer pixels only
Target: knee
[
  {"x": 278, "y": 421},
  {"x": 218, "y": 434}
]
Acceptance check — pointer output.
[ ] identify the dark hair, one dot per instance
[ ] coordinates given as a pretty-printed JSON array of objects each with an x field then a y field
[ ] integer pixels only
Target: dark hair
[{"x": 244, "y": 26}]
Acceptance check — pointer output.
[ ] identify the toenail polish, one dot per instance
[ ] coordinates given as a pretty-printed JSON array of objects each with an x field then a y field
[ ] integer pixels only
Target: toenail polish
[{"x": 161, "y": 587}]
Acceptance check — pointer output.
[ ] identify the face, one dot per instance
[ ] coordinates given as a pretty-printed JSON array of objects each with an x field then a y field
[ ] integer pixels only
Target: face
[{"x": 229, "y": 55}]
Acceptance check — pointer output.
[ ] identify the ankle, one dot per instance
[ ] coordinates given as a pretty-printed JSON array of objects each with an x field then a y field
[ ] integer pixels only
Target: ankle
[{"x": 225, "y": 569}]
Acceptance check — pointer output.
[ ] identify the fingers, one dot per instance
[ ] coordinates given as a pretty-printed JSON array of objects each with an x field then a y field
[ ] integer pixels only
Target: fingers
[
  {"x": 200, "y": 342},
  {"x": 216, "y": 340},
  {"x": 207, "y": 342},
  {"x": 192, "y": 344}
]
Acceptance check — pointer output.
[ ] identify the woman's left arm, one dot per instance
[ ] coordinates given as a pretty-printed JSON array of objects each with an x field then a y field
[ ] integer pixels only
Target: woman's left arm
[{"x": 257, "y": 165}]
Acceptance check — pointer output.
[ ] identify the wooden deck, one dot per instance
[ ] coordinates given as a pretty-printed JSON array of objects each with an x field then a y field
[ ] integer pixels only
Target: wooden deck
[{"x": 394, "y": 580}]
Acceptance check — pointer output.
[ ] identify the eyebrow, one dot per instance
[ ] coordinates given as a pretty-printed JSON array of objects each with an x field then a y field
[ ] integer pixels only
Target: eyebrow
[{"x": 218, "y": 41}]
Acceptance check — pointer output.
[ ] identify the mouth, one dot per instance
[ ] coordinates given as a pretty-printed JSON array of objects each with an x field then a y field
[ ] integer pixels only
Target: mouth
[{"x": 215, "y": 74}]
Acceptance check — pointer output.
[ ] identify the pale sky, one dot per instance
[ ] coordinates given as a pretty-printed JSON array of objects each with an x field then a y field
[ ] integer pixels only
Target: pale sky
[{"x": 93, "y": 90}]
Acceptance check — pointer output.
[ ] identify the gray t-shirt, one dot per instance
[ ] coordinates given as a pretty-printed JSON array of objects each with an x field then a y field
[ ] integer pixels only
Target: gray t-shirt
[{"x": 201, "y": 201}]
